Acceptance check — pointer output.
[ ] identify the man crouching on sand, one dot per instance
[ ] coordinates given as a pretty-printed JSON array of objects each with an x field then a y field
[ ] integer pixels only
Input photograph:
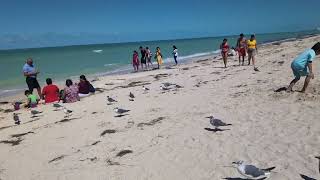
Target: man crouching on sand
[{"x": 302, "y": 66}]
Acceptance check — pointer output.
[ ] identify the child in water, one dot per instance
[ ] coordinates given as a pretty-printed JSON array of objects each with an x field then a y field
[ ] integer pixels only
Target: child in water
[{"x": 302, "y": 66}]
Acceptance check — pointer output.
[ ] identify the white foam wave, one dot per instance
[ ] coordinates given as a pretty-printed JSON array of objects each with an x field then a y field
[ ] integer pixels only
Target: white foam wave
[
  {"x": 106, "y": 65},
  {"x": 196, "y": 55},
  {"x": 97, "y": 51}
]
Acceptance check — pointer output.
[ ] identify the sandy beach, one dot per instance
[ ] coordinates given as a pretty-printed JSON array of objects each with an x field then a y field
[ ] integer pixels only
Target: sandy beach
[{"x": 163, "y": 136}]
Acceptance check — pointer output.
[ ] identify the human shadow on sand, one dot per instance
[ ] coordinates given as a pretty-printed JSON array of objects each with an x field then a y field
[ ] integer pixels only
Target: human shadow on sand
[{"x": 281, "y": 89}]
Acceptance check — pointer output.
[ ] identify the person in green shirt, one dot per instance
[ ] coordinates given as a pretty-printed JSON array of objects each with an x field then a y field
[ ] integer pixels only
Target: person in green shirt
[{"x": 32, "y": 99}]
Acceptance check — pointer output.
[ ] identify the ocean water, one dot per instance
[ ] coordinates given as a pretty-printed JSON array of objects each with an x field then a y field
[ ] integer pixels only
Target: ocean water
[{"x": 60, "y": 63}]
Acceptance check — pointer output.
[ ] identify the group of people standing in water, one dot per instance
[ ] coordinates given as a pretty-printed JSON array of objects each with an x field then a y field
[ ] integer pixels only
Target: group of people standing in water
[
  {"x": 243, "y": 47},
  {"x": 146, "y": 58}
]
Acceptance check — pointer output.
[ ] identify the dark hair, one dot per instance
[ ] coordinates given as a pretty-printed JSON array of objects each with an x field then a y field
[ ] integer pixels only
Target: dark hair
[
  {"x": 225, "y": 39},
  {"x": 147, "y": 47},
  {"x": 49, "y": 81},
  {"x": 316, "y": 47},
  {"x": 140, "y": 47},
  {"x": 26, "y": 92},
  {"x": 241, "y": 35},
  {"x": 68, "y": 82},
  {"x": 175, "y": 47},
  {"x": 252, "y": 36},
  {"x": 83, "y": 77}
]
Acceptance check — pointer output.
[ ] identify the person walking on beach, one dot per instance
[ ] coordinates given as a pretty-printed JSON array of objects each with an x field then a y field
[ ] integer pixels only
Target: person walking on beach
[
  {"x": 252, "y": 50},
  {"x": 30, "y": 72},
  {"x": 175, "y": 54},
  {"x": 135, "y": 61},
  {"x": 143, "y": 57},
  {"x": 241, "y": 48},
  {"x": 302, "y": 66},
  {"x": 158, "y": 57},
  {"x": 224, "y": 47},
  {"x": 149, "y": 56},
  {"x": 50, "y": 93}
]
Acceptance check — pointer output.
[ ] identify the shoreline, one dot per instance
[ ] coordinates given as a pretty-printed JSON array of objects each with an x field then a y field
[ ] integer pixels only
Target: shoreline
[{"x": 15, "y": 94}]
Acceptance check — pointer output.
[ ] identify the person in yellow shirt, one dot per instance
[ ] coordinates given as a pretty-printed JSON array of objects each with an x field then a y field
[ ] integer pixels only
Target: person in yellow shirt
[
  {"x": 158, "y": 57},
  {"x": 252, "y": 50}
]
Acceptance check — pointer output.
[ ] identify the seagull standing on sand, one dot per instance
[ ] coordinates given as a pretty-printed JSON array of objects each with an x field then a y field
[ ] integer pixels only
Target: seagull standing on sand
[
  {"x": 131, "y": 95},
  {"x": 217, "y": 122},
  {"x": 111, "y": 100},
  {"x": 35, "y": 112},
  {"x": 120, "y": 111},
  {"x": 16, "y": 118},
  {"x": 251, "y": 171},
  {"x": 145, "y": 88},
  {"x": 164, "y": 88},
  {"x": 67, "y": 112}
]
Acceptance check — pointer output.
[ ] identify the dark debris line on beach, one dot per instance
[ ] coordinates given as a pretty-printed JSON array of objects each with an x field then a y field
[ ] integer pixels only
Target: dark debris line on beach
[
  {"x": 152, "y": 122},
  {"x": 124, "y": 152},
  {"x": 57, "y": 158}
]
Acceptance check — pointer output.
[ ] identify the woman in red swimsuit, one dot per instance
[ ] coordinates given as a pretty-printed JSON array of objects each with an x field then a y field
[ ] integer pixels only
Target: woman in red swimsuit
[{"x": 224, "y": 47}]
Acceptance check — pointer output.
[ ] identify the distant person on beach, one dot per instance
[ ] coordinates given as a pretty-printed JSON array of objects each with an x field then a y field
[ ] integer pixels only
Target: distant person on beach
[
  {"x": 158, "y": 57},
  {"x": 135, "y": 61},
  {"x": 149, "y": 57},
  {"x": 31, "y": 73},
  {"x": 32, "y": 100},
  {"x": 70, "y": 92},
  {"x": 50, "y": 93},
  {"x": 224, "y": 47},
  {"x": 175, "y": 54},
  {"x": 143, "y": 57},
  {"x": 232, "y": 52},
  {"x": 241, "y": 48},
  {"x": 252, "y": 50},
  {"x": 85, "y": 87},
  {"x": 302, "y": 66}
]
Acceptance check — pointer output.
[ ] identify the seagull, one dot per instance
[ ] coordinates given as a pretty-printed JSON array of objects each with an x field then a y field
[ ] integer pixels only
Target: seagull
[
  {"x": 67, "y": 112},
  {"x": 164, "y": 88},
  {"x": 251, "y": 171},
  {"x": 111, "y": 100},
  {"x": 16, "y": 118},
  {"x": 145, "y": 88},
  {"x": 178, "y": 86},
  {"x": 120, "y": 111},
  {"x": 131, "y": 95},
  {"x": 217, "y": 122},
  {"x": 167, "y": 84},
  {"x": 56, "y": 105},
  {"x": 35, "y": 112},
  {"x": 318, "y": 157}
]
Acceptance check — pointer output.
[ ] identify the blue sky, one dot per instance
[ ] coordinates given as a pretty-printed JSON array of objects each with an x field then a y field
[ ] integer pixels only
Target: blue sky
[{"x": 34, "y": 23}]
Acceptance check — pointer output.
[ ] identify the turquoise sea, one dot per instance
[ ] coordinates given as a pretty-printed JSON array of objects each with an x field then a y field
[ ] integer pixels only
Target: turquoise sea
[{"x": 60, "y": 63}]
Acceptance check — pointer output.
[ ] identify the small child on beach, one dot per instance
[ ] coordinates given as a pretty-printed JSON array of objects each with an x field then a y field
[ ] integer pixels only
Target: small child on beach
[
  {"x": 32, "y": 101},
  {"x": 302, "y": 66}
]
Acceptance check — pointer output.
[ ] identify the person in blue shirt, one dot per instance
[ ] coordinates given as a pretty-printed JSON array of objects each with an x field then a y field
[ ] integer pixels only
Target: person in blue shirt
[
  {"x": 30, "y": 72},
  {"x": 302, "y": 66}
]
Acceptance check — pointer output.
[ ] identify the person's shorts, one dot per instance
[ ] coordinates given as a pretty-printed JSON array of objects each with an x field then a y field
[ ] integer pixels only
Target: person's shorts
[
  {"x": 143, "y": 60},
  {"x": 298, "y": 72},
  {"x": 251, "y": 52},
  {"x": 32, "y": 83},
  {"x": 242, "y": 52}
]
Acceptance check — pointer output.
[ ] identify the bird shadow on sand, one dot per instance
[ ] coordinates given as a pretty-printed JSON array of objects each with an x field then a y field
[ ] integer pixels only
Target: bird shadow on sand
[
  {"x": 66, "y": 120},
  {"x": 121, "y": 115},
  {"x": 306, "y": 177},
  {"x": 281, "y": 89},
  {"x": 230, "y": 178},
  {"x": 216, "y": 129}
]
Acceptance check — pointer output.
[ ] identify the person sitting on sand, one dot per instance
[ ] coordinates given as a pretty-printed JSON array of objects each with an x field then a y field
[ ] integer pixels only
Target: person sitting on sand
[
  {"x": 135, "y": 61},
  {"x": 224, "y": 47},
  {"x": 149, "y": 57},
  {"x": 241, "y": 48},
  {"x": 252, "y": 50},
  {"x": 85, "y": 87},
  {"x": 32, "y": 101},
  {"x": 158, "y": 57},
  {"x": 232, "y": 52},
  {"x": 302, "y": 66},
  {"x": 70, "y": 92},
  {"x": 50, "y": 93}
]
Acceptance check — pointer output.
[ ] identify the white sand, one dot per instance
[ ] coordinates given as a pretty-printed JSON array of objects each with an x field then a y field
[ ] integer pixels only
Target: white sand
[{"x": 269, "y": 129}]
